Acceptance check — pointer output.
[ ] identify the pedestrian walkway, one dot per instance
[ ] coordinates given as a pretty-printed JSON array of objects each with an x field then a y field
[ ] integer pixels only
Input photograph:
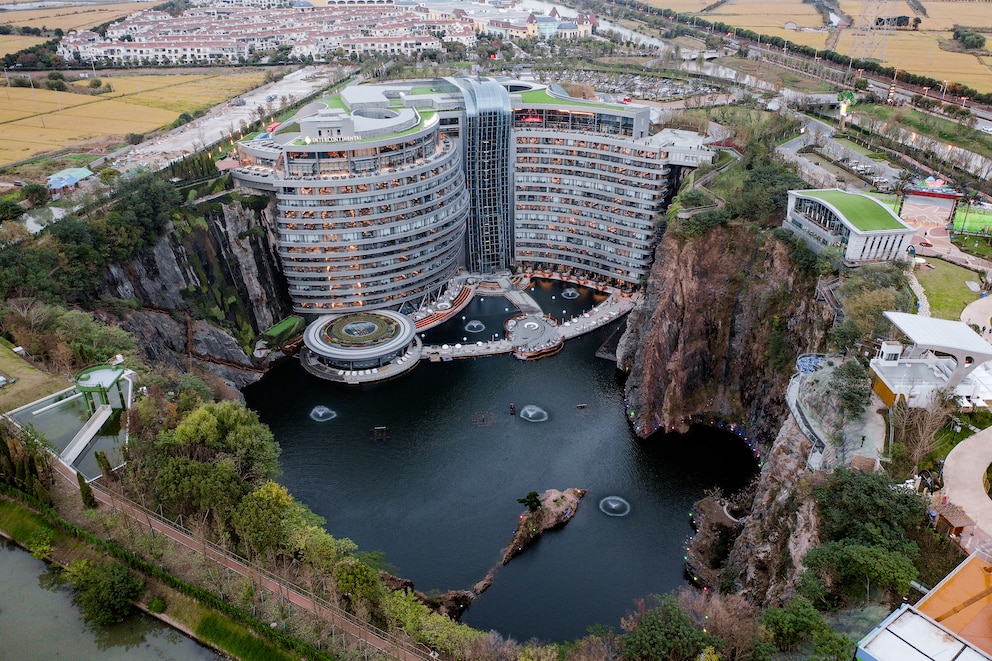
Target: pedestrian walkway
[
  {"x": 979, "y": 313},
  {"x": 964, "y": 486}
]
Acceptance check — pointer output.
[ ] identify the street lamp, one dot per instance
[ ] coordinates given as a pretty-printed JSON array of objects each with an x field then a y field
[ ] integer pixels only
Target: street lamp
[
  {"x": 943, "y": 89},
  {"x": 964, "y": 102},
  {"x": 925, "y": 90}
]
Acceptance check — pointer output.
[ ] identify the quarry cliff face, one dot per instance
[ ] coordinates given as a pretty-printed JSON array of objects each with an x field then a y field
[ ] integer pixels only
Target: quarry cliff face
[
  {"x": 716, "y": 335},
  {"x": 717, "y": 331},
  {"x": 221, "y": 269}
]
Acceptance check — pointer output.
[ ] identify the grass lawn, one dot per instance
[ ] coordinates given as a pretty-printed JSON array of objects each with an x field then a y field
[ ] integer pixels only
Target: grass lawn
[
  {"x": 974, "y": 244},
  {"x": 32, "y": 383},
  {"x": 779, "y": 75},
  {"x": 975, "y": 219},
  {"x": 945, "y": 288},
  {"x": 853, "y": 146},
  {"x": 542, "y": 96}
]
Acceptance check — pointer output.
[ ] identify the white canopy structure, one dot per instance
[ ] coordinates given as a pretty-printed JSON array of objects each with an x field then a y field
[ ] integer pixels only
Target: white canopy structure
[{"x": 945, "y": 355}]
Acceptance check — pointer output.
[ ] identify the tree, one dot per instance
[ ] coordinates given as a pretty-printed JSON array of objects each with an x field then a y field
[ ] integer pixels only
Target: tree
[
  {"x": 917, "y": 426},
  {"x": 730, "y": 618},
  {"x": 357, "y": 582},
  {"x": 851, "y": 564},
  {"x": 258, "y": 518},
  {"x": 865, "y": 508},
  {"x": 903, "y": 183},
  {"x": 663, "y": 632},
  {"x": 86, "y": 492},
  {"x": 791, "y": 625},
  {"x": 105, "y": 592},
  {"x": 532, "y": 500},
  {"x": 828, "y": 645},
  {"x": 37, "y": 194},
  {"x": 852, "y": 387},
  {"x": 9, "y": 210}
]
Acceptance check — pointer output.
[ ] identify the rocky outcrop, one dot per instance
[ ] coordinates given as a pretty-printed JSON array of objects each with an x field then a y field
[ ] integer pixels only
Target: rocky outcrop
[
  {"x": 222, "y": 270},
  {"x": 717, "y": 332},
  {"x": 716, "y": 336},
  {"x": 557, "y": 509},
  {"x": 224, "y": 266},
  {"x": 182, "y": 343},
  {"x": 781, "y": 528}
]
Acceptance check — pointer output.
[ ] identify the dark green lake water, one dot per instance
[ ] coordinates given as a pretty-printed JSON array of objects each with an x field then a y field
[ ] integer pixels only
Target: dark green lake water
[
  {"x": 439, "y": 497},
  {"x": 39, "y": 621}
]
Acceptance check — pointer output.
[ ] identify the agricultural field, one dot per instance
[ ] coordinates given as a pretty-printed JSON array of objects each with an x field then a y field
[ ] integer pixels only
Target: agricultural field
[
  {"x": 768, "y": 16},
  {"x": 779, "y": 75},
  {"x": 915, "y": 51},
  {"x": 920, "y": 53},
  {"x": 78, "y": 17},
  {"x": 945, "y": 15},
  {"x": 37, "y": 121},
  {"x": 10, "y": 43},
  {"x": 681, "y": 6}
]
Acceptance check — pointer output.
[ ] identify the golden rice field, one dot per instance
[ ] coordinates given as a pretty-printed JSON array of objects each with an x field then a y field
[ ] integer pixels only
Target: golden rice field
[
  {"x": 36, "y": 121},
  {"x": 182, "y": 92},
  {"x": 945, "y": 15},
  {"x": 80, "y": 17},
  {"x": 919, "y": 52},
  {"x": 12, "y": 43},
  {"x": 760, "y": 15},
  {"x": 916, "y": 51}
]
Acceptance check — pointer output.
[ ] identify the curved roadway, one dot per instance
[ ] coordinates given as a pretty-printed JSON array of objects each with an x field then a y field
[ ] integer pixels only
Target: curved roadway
[{"x": 966, "y": 464}]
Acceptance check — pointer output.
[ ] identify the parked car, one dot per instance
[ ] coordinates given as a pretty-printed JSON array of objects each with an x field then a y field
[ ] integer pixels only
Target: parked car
[
  {"x": 20, "y": 183},
  {"x": 926, "y": 244}
]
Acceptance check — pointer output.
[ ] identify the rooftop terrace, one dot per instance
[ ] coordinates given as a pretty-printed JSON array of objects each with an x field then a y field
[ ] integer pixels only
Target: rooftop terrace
[{"x": 543, "y": 96}]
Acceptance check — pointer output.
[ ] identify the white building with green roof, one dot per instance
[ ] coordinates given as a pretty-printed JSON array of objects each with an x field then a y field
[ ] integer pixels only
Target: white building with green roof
[{"x": 864, "y": 228}]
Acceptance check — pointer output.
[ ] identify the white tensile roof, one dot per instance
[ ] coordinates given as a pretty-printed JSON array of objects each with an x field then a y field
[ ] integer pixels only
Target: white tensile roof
[{"x": 942, "y": 335}]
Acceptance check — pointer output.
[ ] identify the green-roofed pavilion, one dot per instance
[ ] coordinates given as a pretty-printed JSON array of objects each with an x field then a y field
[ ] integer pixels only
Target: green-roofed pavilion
[
  {"x": 862, "y": 227},
  {"x": 865, "y": 213}
]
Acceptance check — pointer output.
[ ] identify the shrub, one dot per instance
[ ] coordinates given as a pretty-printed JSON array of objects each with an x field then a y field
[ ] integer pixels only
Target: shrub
[
  {"x": 105, "y": 592},
  {"x": 156, "y": 605}
]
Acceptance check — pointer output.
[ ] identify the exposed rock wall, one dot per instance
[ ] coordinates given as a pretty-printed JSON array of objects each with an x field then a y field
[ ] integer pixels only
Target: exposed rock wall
[
  {"x": 232, "y": 252},
  {"x": 223, "y": 269},
  {"x": 717, "y": 331},
  {"x": 781, "y": 528},
  {"x": 722, "y": 320}
]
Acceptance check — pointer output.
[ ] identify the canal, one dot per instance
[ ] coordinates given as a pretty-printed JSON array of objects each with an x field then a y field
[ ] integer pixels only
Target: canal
[{"x": 39, "y": 621}]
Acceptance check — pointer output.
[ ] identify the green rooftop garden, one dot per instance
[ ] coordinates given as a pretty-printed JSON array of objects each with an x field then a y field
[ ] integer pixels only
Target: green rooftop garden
[
  {"x": 334, "y": 102},
  {"x": 862, "y": 212},
  {"x": 542, "y": 96}
]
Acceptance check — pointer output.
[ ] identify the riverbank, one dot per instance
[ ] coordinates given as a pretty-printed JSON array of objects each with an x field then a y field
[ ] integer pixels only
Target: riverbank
[{"x": 188, "y": 609}]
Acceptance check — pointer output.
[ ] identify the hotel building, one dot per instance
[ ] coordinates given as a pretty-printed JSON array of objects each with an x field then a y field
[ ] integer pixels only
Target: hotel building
[{"x": 386, "y": 191}]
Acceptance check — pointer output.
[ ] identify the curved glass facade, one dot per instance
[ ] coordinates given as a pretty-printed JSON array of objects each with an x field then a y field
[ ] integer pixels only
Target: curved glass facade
[
  {"x": 383, "y": 195},
  {"x": 369, "y": 225},
  {"x": 587, "y": 204}
]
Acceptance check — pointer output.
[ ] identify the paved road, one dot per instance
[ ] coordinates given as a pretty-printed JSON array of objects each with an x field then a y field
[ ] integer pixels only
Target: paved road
[
  {"x": 964, "y": 486},
  {"x": 224, "y": 120}
]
